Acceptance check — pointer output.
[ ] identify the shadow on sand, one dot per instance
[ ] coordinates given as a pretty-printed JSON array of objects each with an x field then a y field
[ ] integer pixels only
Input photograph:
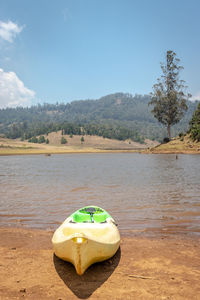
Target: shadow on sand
[{"x": 83, "y": 286}]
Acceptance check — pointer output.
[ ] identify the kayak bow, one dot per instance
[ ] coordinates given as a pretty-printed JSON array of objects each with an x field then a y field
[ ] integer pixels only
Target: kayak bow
[{"x": 87, "y": 236}]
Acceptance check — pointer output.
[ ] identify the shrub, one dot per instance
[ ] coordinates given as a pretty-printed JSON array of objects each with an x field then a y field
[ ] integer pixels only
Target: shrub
[
  {"x": 195, "y": 125},
  {"x": 63, "y": 140},
  {"x": 166, "y": 140},
  {"x": 41, "y": 139},
  {"x": 34, "y": 139},
  {"x": 181, "y": 134}
]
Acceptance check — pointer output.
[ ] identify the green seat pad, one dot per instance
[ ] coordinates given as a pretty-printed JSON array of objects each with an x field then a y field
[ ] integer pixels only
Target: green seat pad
[{"x": 99, "y": 215}]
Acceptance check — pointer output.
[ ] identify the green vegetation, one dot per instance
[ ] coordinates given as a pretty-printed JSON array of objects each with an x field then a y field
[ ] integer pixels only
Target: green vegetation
[
  {"x": 41, "y": 139},
  {"x": 63, "y": 140},
  {"x": 34, "y": 139},
  {"x": 195, "y": 125},
  {"x": 82, "y": 139},
  {"x": 168, "y": 96},
  {"x": 117, "y": 116}
]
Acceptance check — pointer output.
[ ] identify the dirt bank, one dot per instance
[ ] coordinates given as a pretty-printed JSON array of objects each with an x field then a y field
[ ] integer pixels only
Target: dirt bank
[
  {"x": 182, "y": 145},
  {"x": 144, "y": 268}
]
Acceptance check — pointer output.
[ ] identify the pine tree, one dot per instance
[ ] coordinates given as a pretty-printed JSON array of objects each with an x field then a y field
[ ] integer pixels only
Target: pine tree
[{"x": 168, "y": 97}]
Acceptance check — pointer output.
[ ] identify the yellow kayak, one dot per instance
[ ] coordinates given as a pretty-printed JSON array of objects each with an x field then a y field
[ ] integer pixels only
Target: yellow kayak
[{"x": 88, "y": 236}]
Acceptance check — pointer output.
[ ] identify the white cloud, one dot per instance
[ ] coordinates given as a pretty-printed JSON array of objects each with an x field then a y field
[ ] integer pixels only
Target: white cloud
[
  {"x": 9, "y": 30},
  {"x": 13, "y": 92},
  {"x": 196, "y": 97}
]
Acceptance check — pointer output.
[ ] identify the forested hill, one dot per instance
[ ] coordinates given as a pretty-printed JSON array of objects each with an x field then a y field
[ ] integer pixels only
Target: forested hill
[{"x": 112, "y": 111}]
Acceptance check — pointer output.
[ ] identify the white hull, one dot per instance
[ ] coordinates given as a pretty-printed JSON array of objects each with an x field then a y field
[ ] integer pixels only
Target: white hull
[{"x": 83, "y": 244}]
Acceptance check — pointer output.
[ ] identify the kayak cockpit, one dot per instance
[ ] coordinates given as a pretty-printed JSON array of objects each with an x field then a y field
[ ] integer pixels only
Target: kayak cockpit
[{"x": 90, "y": 214}]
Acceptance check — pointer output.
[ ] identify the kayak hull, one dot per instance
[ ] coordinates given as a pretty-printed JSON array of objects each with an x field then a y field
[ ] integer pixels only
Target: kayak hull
[{"x": 84, "y": 244}]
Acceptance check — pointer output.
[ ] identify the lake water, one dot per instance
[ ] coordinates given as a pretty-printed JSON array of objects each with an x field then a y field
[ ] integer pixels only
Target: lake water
[{"x": 144, "y": 193}]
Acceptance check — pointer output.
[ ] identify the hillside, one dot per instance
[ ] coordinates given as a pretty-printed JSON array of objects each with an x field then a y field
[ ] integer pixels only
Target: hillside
[
  {"x": 179, "y": 145},
  {"x": 91, "y": 144},
  {"x": 117, "y": 112}
]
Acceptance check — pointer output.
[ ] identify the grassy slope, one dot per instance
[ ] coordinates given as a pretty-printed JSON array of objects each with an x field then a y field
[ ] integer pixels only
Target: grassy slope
[
  {"x": 91, "y": 144},
  {"x": 96, "y": 144},
  {"x": 177, "y": 145}
]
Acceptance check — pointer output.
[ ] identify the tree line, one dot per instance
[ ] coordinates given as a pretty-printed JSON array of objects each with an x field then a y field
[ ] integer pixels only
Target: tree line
[
  {"x": 117, "y": 110},
  {"x": 25, "y": 132}
]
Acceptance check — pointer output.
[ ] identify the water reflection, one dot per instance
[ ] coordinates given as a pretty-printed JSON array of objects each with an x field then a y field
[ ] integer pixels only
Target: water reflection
[{"x": 142, "y": 192}]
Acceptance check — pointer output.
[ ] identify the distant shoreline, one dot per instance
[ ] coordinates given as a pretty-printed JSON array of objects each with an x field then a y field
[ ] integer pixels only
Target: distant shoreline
[
  {"x": 91, "y": 144},
  {"x": 94, "y": 144},
  {"x": 49, "y": 152},
  {"x": 92, "y": 151}
]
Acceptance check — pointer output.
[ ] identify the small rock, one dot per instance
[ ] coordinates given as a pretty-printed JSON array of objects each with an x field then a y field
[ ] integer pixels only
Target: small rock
[
  {"x": 23, "y": 291},
  {"x": 13, "y": 248}
]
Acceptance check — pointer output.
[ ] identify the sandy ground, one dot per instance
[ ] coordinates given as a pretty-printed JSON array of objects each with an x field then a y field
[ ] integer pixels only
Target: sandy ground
[{"x": 166, "y": 267}]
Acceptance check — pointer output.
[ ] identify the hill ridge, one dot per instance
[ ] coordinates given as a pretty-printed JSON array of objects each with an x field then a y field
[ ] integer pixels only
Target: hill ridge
[{"x": 114, "y": 110}]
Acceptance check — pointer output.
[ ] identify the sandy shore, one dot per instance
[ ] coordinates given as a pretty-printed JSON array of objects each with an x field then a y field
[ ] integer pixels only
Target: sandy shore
[{"x": 165, "y": 267}]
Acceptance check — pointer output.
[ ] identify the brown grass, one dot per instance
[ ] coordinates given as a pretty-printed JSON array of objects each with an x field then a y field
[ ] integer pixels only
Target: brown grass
[
  {"x": 91, "y": 144},
  {"x": 178, "y": 145},
  {"x": 95, "y": 144}
]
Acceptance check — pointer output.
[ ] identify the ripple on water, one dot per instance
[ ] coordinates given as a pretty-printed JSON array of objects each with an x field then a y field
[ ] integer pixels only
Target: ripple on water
[{"x": 144, "y": 193}]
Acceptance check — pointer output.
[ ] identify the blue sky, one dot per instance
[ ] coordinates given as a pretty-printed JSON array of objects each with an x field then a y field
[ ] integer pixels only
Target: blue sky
[{"x": 83, "y": 49}]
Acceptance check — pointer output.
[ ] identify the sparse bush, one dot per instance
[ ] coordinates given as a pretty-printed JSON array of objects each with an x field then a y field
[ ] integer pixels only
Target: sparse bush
[
  {"x": 63, "y": 140},
  {"x": 34, "y": 139},
  {"x": 41, "y": 139},
  {"x": 166, "y": 140},
  {"x": 181, "y": 134}
]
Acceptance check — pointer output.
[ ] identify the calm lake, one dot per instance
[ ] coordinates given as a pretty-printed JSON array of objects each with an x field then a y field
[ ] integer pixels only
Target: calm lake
[{"x": 144, "y": 193}]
